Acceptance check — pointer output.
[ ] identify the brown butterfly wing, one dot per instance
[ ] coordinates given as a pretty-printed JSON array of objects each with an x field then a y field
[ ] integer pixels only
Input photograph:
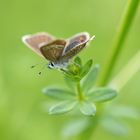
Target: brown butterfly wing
[
  {"x": 37, "y": 40},
  {"x": 53, "y": 51},
  {"x": 75, "y": 45}
]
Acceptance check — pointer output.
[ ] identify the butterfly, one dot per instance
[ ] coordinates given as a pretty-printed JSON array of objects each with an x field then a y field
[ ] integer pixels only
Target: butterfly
[{"x": 57, "y": 51}]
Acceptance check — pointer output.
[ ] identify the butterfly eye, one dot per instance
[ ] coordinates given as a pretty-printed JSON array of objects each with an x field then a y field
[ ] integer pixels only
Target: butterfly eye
[{"x": 51, "y": 65}]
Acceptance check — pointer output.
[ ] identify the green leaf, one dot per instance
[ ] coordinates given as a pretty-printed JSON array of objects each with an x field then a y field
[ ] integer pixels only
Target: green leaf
[
  {"x": 114, "y": 126},
  {"x": 122, "y": 111},
  {"x": 62, "y": 107},
  {"x": 88, "y": 108},
  {"x": 58, "y": 93},
  {"x": 73, "y": 69},
  {"x": 75, "y": 127},
  {"x": 102, "y": 94},
  {"x": 70, "y": 83},
  {"x": 90, "y": 79},
  {"x": 74, "y": 78},
  {"x": 85, "y": 69},
  {"x": 78, "y": 61}
]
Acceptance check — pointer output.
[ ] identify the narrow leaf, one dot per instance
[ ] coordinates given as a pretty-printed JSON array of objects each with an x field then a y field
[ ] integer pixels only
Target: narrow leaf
[
  {"x": 115, "y": 126},
  {"x": 75, "y": 127},
  {"x": 122, "y": 111},
  {"x": 88, "y": 108},
  {"x": 90, "y": 79},
  {"x": 73, "y": 69},
  {"x": 58, "y": 93},
  {"x": 102, "y": 94},
  {"x": 74, "y": 78},
  {"x": 62, "y": 107},
  {"x": 78, "y": 61},
  {"x": 86, "y": 68},
  {"x": 70, "y": 83}
]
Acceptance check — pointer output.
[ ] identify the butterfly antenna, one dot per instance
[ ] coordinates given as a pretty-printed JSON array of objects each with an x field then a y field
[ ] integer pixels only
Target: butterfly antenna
[
  {"x": 43, "y": 68},
  {"x": 33, "y": 66},
  {"x": 40, "y": 72}
]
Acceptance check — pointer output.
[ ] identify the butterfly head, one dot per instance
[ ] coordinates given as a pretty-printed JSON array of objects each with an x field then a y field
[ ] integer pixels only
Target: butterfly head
[
  {"x": 58, "y": 65},
  {"x": 51, "y": 65}
]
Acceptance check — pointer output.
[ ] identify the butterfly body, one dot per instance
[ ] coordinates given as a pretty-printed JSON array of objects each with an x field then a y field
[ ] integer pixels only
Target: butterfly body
[{"x": 57, "y": 51}]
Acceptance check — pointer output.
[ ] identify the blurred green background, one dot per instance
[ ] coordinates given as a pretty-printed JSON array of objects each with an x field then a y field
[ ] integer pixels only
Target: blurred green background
[{"x": 21, "y": 99}]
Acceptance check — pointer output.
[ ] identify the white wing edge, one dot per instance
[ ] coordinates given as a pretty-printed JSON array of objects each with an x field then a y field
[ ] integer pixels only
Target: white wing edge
[
  {"x": 24, "y": 38},
  {"x": 85, "y": 33}
]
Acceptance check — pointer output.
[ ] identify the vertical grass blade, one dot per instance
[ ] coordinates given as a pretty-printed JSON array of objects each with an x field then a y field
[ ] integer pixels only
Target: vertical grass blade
[
  {"x": 123, "y": 28},
  {"x": 128, "y": 71},
  {"x": 119, "y": 39}
]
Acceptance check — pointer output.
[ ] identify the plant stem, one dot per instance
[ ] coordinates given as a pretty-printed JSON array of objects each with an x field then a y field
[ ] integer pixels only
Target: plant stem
[
  {"x": 79, "y": 92},
  {"x": 115, "y": 50},
  {"x": 119, "y": 39}
]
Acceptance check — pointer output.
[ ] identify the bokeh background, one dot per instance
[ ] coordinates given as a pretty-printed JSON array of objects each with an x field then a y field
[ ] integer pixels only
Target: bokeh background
[{"x": 21, "y": 99}]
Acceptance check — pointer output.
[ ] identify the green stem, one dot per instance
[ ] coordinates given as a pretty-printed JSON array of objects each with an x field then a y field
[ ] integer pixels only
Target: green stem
[
  {"x": 119, "y": 39},
  {"x": 79, "y": 92},
  {"x": 115, "y": 50}
]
